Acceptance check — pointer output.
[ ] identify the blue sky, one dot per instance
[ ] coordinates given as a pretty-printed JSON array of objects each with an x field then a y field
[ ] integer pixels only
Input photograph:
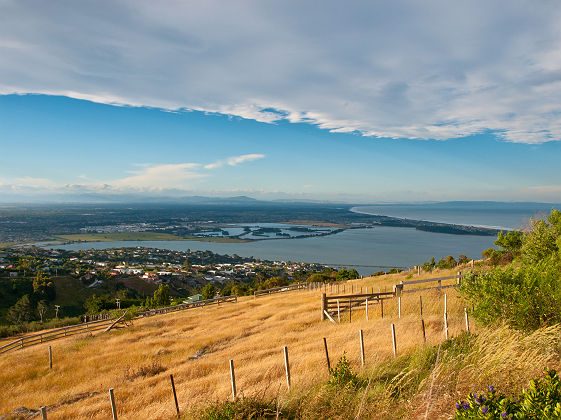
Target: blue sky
[{"x": 356, "y": 102}]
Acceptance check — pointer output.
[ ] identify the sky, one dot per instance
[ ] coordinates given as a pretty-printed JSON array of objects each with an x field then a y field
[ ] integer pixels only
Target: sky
[{"x": 358, "y": 101}]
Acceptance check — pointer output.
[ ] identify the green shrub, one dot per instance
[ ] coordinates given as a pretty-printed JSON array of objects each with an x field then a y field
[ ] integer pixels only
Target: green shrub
[
  {"x": 526, "y": 297},
  {"x": 542, "y": 400},
  {"x": 343, "y": 376},
  {"x": 526, "y": 294}
]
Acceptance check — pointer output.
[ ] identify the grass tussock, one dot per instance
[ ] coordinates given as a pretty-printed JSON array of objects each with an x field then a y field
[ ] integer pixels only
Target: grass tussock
[{"x": 144, "y": 371}]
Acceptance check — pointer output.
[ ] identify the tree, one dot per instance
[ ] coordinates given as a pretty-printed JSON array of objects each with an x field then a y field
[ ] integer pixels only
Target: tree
[
  {"x": 22, "y": 311},
  {"x": 209, "y": 291},
  {"x": 488, "y": 253},
  {"x": 345, "y": 274},
  {"x": 510, "y": 242},
  {"x": 429, "y": 265},
  {"x": 449, "y": 262},
  {"x": 543, "y": 239},
  {"x": 237, "y": 290},
  {"x": 25, "y": 263},
  {"x": 161, "y": 295},
  {"x": 317, "y": 278},
  {"x": 42, "y": 308},
  {"x": 43, "y": 287},
  {"x": 276, "y": 281},
  {"x": 92, "y": 305}
]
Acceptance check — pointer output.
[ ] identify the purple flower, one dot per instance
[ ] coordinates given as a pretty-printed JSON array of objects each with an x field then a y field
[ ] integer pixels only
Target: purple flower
[
  {"x": 458, "y": 406},
  {"x": 484, "y": 410},
  {"x": 504, "y": 414},
  {"x": 491, "y": 388},
  {"x": 465, "y": 405}
]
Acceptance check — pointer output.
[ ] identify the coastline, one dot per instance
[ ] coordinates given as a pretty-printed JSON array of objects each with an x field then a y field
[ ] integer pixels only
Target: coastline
[{"x": 429, "y": 226}]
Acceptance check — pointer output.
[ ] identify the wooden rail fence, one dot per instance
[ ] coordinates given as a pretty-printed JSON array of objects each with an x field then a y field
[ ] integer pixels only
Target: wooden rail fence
[
  {"x": 184, "y": 306},
  {"x": 332, "y": 305},
  {"x": 335, "y": 305},
  {"x": 103, "y": 324},
  {"x": 280, "y": 289},
  {"x": 30, "y": 340},
  {"x": 400, "y": 288}
]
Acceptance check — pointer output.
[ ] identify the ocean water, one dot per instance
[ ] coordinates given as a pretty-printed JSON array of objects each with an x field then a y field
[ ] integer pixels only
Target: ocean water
[
  {"x": 363, "y": 249},
  {"x": 495, "y": 215}
]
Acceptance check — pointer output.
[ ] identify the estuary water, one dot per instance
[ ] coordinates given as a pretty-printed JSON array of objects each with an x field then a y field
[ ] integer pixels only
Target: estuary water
[{"x": 355, "y": 248}]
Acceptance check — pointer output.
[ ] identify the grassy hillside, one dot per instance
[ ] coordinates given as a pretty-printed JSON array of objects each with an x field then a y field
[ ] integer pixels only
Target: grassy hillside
[{"x": 195, "y": 346}]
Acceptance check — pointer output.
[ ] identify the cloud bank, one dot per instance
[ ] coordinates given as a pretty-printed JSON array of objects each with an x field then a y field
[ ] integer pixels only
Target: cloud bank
[{"x": 402, "y": 69}]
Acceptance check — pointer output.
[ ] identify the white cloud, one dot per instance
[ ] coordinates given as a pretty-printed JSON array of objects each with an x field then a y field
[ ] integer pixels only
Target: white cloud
[
  {"x": 235, "y": 160},
  {"x": 159, "y": 177},
  {"x": 431, "y": 69},
  {"x": 29, "y": 181}
]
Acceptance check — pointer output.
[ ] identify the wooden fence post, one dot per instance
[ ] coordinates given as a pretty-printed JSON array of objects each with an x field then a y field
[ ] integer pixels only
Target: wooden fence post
[
  {"x": 50, "y": 358},
  {"x": 43, "y": 413},
  {"x": 467, "y": 319},
  {"x": 366, "y": 306},
  {"x": 350, "y": 311},
  {"x": 287, "y": 367},
  {"x": 233, "y": 380},
  {"x": 338, "y": 311},
  {"x": 361, "y": 347},
  {"x": 399, "y": 307},
  {"x": 394, "y": 341},
  {"x": 459, "y": 278},
  {"x": 382, "y": 308},
  {"x": 327, "y": 355},
  {"x": 113, "y": 407},
  {"x": 445, "y": 316},
  {"x": 174, "y": 395},
  {"x": 323, "y": 306},
  {"x": 445, "y": 325},
  {"x": 423, "y": 329},
  {"x": 421, "y": 304}
]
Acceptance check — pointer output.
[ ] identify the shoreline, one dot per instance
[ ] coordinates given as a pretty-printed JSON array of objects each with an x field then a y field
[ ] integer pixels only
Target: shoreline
[{"x": 430, "y": 226}]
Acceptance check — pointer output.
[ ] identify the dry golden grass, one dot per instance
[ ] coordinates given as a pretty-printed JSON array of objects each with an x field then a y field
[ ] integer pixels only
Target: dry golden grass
[{"x": 195, "y": 347}]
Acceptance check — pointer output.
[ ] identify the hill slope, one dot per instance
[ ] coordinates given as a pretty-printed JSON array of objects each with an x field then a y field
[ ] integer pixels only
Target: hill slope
[{"x": 195, "y": 347}]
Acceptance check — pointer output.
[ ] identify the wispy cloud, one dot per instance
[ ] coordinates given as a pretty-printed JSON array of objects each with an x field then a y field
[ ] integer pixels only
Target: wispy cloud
[
  {"x": 235, "y": 160},
  {"x": 29, "y": 181},
  {"x": 169, "y": 178},
  {"x": 160, "y": 177},
  {"x": 431, "y": 69}
]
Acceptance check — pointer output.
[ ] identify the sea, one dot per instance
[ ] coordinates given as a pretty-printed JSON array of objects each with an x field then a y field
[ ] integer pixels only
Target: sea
[{"x": 373, "y": 249}]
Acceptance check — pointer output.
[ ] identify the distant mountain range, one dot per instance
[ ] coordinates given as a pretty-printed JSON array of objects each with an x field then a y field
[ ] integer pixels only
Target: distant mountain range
[{"x": 101, "y": 198}]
